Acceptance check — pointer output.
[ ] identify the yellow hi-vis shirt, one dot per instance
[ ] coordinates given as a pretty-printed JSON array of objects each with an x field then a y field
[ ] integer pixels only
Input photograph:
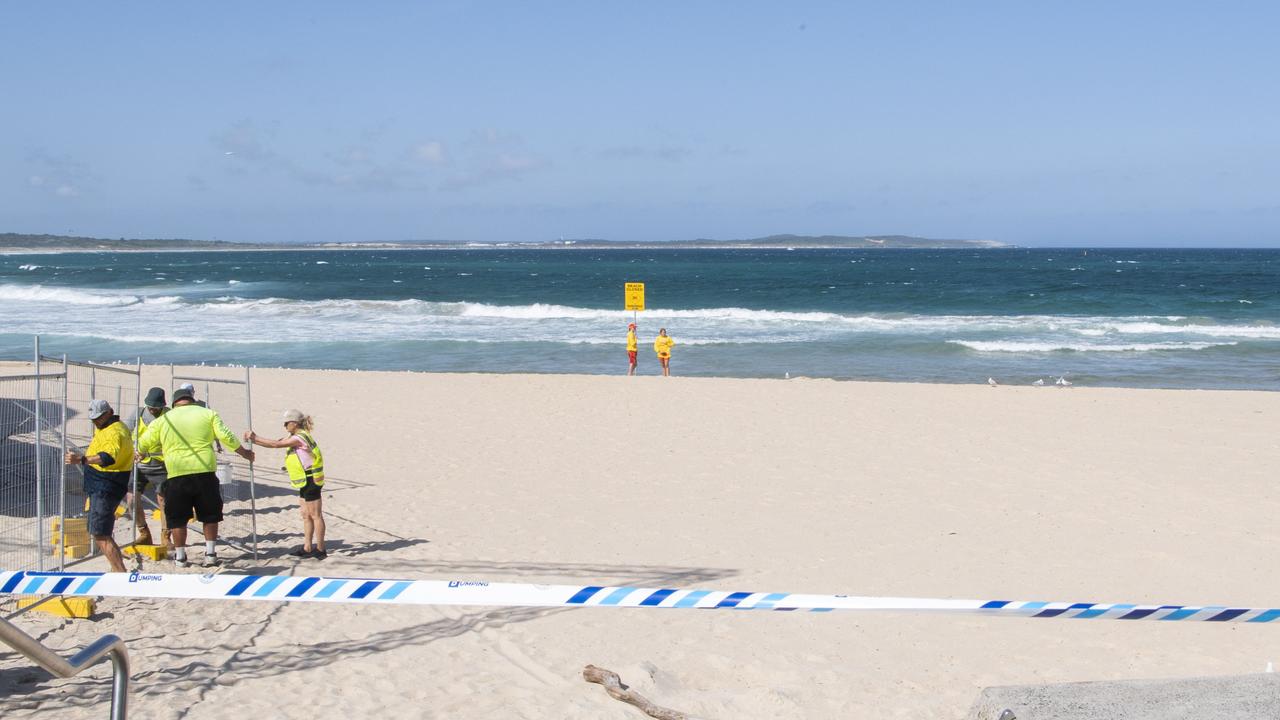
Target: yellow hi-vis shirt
[
  {"x": 113, "y": 440},
  {"x": 184, "y": 435},
  {"x": 632, "y": 343},
  {"x": 662, "y": 345}
]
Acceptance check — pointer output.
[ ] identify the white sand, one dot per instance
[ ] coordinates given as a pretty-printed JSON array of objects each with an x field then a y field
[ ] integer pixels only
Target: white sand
[{"x": 792, "y": 486}]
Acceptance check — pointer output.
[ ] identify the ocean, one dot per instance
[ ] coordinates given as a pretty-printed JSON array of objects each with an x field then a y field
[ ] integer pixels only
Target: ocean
[{"x": 1098, "y": 317}]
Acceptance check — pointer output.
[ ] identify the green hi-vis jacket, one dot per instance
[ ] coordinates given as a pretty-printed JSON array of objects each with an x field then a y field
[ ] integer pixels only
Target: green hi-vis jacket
[{"x": 184, "y": 435}]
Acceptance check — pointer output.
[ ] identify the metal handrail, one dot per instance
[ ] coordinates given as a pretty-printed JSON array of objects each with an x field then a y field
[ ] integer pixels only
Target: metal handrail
[{"x": 109, "y": 645}]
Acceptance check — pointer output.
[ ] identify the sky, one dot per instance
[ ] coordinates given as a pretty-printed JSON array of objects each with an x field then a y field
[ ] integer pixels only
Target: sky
[{"x": 1087, "y": 123}]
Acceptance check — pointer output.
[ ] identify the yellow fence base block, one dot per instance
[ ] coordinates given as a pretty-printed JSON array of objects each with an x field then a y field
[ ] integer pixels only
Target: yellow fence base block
[
  {"x": 156, "y": 514},
  {"x": 150, "y": 552},
  {"x": 67, "y": 607},
  {"x": 73, "y": 542},
  {"x": 74, "y": 525},
  {"x": 75, "y": 552}
]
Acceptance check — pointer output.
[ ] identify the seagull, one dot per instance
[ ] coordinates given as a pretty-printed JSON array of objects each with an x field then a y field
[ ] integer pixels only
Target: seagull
[
  {"x": 1039, "y": 383},
  {"x": 1063, "y": 382},
  {"x": 992, "y": 382},
  {"x": 787, "y": 376}
]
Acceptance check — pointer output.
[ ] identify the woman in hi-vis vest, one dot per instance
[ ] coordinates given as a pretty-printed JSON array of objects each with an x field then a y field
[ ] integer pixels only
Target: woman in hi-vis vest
[{"x": 305, "y": 464}]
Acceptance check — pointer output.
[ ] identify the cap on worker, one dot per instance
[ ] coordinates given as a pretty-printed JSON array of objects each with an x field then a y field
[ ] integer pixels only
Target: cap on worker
[
  {"x": 631, "y": 326},
  {"x": 98, "y": 408},
  {"x": 184, "y": 393},
  {"x": 188, "y": 386},
  {"x": 155, "y": 398},
  {"x": 292, "y": 415}
]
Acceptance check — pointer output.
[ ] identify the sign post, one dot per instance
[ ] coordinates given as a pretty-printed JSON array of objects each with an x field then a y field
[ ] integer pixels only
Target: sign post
[{"x": 634, "y": 297}]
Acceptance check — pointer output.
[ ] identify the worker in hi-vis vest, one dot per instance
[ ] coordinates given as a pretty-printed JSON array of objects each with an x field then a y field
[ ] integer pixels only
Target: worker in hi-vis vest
[
  {"x": 185, "y": 436},
  {"x": 150, "y": 467},
  {"x": 305, "y": 464},
  {"x": 106, "y": 464}
]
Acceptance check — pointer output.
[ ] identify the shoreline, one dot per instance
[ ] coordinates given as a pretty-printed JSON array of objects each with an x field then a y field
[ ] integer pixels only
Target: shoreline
[
  {"x": 511, "y": 246},
  {"x": 797, "y": 379}
]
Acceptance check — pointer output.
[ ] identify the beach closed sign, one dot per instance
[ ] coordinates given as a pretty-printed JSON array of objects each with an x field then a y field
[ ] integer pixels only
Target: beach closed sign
[{"x": 634, "y": 294}]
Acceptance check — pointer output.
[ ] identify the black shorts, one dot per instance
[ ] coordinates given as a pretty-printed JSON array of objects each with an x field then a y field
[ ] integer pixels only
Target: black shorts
[
  {"x": 102, "y": 509},
  {"x": 310, "y": 491},
  {"x": 196, "y": 493}
]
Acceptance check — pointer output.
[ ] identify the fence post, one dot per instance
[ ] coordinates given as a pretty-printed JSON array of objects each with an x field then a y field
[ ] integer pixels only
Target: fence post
[
  {"x": 135, "y": 502},
  {"x": 253, "y": 488},
  {"x": 39, "y": 479},
  {"x": 62, "y": 476}
]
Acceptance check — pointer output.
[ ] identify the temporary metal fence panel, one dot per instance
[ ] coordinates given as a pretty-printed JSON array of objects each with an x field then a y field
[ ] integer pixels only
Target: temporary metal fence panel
[
  {"x": 30, "y": 468},
  {"x": 227, "y": 391},
  {"x": 120, "y": 386}
]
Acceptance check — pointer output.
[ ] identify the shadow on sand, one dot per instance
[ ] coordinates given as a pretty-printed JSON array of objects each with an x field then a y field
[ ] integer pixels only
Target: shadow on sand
[{"x": 195, "y": 669}]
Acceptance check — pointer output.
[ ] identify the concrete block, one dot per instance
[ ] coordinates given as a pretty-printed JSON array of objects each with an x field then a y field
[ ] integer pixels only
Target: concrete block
[
  {"x": 73, "y": 525},
  {"x": 72, "y": 539},
  {"x": 75, "y": 552},
  {"x": 67, "y": 607},
  {"x": 1239, "y": 697},
  {"x": 150, "y": 552}
]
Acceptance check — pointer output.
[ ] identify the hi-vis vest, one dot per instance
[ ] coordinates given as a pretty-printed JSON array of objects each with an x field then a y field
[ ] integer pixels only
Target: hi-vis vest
[
  {"x": 139, "y": 428},
  {"x": 299, "y": 475}
]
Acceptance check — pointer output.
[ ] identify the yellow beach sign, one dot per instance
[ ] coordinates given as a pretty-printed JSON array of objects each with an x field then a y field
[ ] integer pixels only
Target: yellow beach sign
[{"x": 634, "y": 294}]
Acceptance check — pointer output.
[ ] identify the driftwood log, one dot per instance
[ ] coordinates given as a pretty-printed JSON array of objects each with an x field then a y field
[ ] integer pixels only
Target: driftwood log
[{"x": 613, "y": 684}]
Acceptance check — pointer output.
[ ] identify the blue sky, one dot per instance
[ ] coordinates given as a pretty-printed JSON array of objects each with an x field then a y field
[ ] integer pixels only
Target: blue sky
[{"x": 1073, "y": 124}]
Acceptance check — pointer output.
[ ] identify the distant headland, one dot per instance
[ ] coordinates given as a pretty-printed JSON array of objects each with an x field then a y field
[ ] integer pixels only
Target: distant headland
[{"x": 18, "y": 243}]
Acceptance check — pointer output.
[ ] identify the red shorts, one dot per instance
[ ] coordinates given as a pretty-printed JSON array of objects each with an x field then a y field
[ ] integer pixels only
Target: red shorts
[{"x": 631, "y": 355}]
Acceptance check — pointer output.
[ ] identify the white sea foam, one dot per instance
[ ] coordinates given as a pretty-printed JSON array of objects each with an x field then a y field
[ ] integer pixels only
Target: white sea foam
[
  {"x": 1146, "y": 327},
  {"x": 1011, "y": 346},
  {"x": 68, "y": 296},
  {"x": 224, "y": 317}
]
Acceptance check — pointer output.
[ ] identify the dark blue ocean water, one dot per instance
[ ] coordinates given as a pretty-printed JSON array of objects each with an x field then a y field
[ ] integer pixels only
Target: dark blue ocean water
[{"x": 1141, "y": 318}]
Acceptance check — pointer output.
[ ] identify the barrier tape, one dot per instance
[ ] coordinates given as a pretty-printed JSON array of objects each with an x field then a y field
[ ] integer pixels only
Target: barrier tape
[{"x": 374, "y": 591}]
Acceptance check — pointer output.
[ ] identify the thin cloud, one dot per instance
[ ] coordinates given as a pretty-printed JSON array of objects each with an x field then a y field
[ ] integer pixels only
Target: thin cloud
[
  {"x": 431, "y": 153},
  {"x": 484, "y": 157},
  {"x": 667, "y": 153},
  {"x": 60, "y": 176},
  {"x": 492, "y": 156},
  {"x": 247, "y": 147}
]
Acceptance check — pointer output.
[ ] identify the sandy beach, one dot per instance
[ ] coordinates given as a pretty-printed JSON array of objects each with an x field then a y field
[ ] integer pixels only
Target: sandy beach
[{"x": 1080, "y": 494}]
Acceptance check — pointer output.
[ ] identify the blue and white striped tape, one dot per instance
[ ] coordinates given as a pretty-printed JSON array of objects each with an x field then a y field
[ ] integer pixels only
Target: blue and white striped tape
[{"x": 286, "y": 588}]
